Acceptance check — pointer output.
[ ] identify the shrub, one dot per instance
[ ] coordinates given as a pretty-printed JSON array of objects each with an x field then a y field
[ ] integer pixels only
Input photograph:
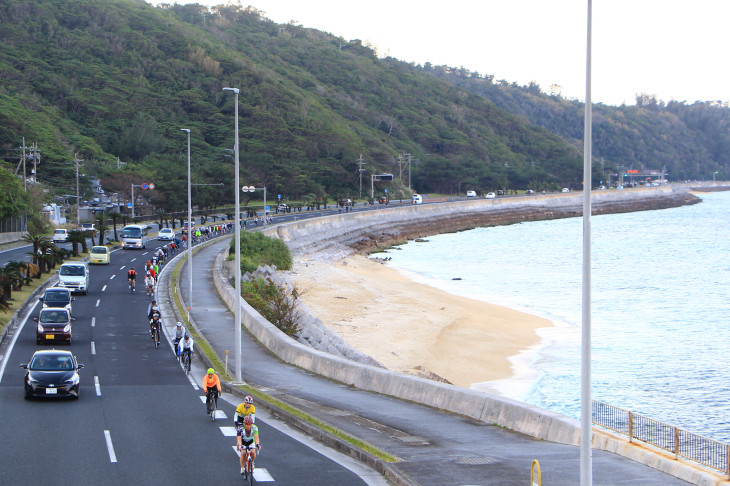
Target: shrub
[{"x": 272, "y": 303}]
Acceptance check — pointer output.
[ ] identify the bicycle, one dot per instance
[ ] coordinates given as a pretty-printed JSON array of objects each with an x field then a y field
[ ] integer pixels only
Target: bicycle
[
  {"x": 249, "y": 469},
  {"x": 211, "y": 403},
  {"x": 156, "y": 336},
  {"x": 186, "y": 359},
  {"x": 132, "y": 288}
]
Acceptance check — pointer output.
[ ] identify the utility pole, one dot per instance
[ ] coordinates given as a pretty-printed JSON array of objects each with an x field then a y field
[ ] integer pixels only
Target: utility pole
[
  {"x": 399, "y": 161},
  {"x": 360, "y": 163},
  {"x": 78, "y": 200},
  {"x": 36, "y": 160},
  {"x": 25, "y": 178}
]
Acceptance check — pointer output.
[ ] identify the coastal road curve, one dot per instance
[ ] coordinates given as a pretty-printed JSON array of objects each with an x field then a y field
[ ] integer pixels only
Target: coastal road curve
[{"x": 139, "y": 419}]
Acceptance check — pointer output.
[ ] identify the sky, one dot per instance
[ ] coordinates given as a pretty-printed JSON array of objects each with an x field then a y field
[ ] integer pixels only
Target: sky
[{"x": 673, "y": 50}]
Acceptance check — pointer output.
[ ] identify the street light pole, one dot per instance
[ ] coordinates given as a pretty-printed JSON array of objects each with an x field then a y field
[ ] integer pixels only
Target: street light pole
[
  {"x": 237, "y": 188},
  {"x": 190, "y": 231}
]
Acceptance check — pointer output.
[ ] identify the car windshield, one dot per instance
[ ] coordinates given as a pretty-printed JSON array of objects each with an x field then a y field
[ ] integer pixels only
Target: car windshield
[
  {"x": 60, "y": 232},
  {"x": 72, "y": 270},
  {"x": 56, "y": 295},
  {"x": 132, "y": 233},
  {"x": 52, "y": 363},
  {"x": 98, "y": 249},
  {"x": 54, "y": 316},
  {"x": 87, "y": 225}
]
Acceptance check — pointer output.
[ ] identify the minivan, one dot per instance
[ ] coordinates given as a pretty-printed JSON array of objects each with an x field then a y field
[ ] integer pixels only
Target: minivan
[
  {"x": 61, "y": 234},
  {"x": 57, "y": 297},
  {"x": 417, "y": 199},
  {"x": 74, "y": 276}
]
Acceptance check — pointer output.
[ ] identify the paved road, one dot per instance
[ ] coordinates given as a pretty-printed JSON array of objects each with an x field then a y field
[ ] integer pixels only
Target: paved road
[
  {"x": 153, "y": 414},
  {"x": 436, "y": 447}
]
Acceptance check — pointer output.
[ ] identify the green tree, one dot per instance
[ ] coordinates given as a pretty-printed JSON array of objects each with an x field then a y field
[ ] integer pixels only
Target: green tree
[
  {"x": 13, "y": 200},
  {"x": 101, "y": 226}
]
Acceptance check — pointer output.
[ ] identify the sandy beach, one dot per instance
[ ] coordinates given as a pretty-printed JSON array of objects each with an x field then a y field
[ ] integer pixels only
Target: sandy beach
[{"x": 412, "y": 327}]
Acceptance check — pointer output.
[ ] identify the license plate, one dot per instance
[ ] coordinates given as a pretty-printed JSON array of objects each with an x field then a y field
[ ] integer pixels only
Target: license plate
[
  {"x": 51, "y": 391},
  {"x": 49, "y": 336}
]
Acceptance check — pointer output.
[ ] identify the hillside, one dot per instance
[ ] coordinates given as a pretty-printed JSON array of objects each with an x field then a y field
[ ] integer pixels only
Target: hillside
[{"x": 107, "y": 79}]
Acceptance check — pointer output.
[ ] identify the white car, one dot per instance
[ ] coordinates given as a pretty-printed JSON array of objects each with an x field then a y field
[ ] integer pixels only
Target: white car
[
  {"x": 471, "y": 193},
  {"x": 490, "y": 195},
  {"x": 565, "y": 189},
  {"x": 166, "y": 234},
  {"x": 59, "y": 235},
  {"x": 417, "y": 199}
]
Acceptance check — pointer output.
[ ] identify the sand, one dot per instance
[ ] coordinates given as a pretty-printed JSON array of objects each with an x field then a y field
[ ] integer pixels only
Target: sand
[{"x": 412, "y": 327}]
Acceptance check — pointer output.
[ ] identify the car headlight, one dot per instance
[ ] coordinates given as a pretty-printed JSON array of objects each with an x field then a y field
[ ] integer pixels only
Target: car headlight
[
  {"x": 67, "y": 328},
  {"x": 40, "y": 328},
  {"x": 33, "y": 381},
  {"x": 72, "y": 381}
]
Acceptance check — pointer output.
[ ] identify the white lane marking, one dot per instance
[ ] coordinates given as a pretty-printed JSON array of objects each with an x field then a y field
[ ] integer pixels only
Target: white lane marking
[
  {"x": 202, "y": 398},
  {"x": 195, "y": 385},
  {"x": 122, "y": 267},
  {"x": 260, "y": 474},
  {"x": 228, "y": 431},
  {"x": 110, "y": 447},
  {"x": 220, "y": 414},
  {"x": 112, "y": 277},
  {"x": 15, "y": 338},
  {"x": 93, "y": 321},
  {"x": 98, "y": 301},
  {"x": 103, "y": 288},
  {"x": 133, "y": 259},
  {"x": 97, "y": 386},
  {"x": 93, "y": 348}
]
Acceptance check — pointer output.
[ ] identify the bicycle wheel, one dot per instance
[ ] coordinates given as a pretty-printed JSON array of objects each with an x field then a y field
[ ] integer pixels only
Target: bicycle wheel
[
  {"x": 214, "y": 403},
  {"x": 186, "y": 364},
  {"x": 249, "y": 466},
  {"x": 157, "y": 338}
]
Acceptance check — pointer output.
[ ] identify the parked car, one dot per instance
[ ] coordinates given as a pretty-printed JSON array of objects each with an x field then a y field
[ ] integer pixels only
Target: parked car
[
  {"x": 417, "y": 199},
  {"x": 166, "y": 234},
  {"x": 74, "y": 276},
  {"x": 52, "y": 373},
  {"x": 471, "y": 193},
  {"x": 59, "y": 235},
  {"x": 54, "y": 324},
  {"x": 490, "y": 195},
  {"x": 88, "y": 227},
  {"x": 565, "y": 189},
  {"x": 529, "y": 191},
  {"x": 100, "y": 255},
  {"x": 57, "y": 297},
  {"x": 500, "y": 192}
]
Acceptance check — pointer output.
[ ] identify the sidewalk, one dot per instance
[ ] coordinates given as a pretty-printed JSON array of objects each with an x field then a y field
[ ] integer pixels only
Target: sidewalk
[{"x": 436, "y": 447}]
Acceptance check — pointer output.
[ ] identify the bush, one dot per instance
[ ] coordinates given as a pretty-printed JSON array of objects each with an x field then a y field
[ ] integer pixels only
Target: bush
[
  {"x": 272, "y": 303},
  {"x": 258, "y": 250}
]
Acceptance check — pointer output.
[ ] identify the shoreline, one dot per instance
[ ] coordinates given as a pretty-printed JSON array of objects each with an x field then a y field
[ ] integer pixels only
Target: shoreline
[{"x": 414, "y": 328}]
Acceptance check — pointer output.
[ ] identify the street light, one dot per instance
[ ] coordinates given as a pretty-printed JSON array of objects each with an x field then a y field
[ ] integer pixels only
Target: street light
[
  {"x": 713, "y": 176},
  {"x": 252, "y": 189},
  {"x": 237, "y": 330},
  {"x": 190, "y": 231}
]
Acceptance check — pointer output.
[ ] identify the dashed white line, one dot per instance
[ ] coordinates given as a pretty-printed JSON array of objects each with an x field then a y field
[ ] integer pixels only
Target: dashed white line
[
  {"x": 93, "y": 348},
  {"x": 98, "y": 301},
  {"x": 97, "y": 386},
  {"x": 93, "y": 321},
  {"x": 110, "y": 446},
  {"x": 133, "y": 259},
  {"x": 103, "y": 288},
  {"x": 228, "y": 431},
  {"x": 112, "y": 277},
  {"x": 122, "y": 267}
]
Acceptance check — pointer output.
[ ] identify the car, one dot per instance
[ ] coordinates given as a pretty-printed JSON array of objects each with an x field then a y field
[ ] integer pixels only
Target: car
[
  {"x": 417, "y": 199},
  {"x": 601, "y": 188},
  {"x": 74, "y": 276},
  {"x": 54, "y": 324},
  {"x": 500, "y": 193},
  {"x": 88, "y": 227},
  {"x": 565, "y": 189},
  {"x": 59, "y": 235},
  {"x": 57, "y": 297},
  {"x": 282, "y": 208},
  {"x": 52, "y": 373},
  {"x": 100, "y": 255},
  {"x": 471, "y": 193},
  {"x": 382, "y": 200},
  {"x": 166, "y": 234},
  {"x": 529, "y": 191},
  {"x": 490, "y": 195}
]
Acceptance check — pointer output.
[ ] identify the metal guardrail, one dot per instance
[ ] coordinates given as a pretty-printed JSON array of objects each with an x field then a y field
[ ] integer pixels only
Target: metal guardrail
[{"x": 679, "y": 442}]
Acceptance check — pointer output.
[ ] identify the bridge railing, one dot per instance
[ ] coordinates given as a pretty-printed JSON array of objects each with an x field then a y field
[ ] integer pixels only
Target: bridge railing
[{"x": 679, "y": 442}]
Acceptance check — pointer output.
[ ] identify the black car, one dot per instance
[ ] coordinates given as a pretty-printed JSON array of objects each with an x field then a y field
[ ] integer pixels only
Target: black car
[
  {"x": 57, "y": 297},
  {"x": 52, "y": 373}
]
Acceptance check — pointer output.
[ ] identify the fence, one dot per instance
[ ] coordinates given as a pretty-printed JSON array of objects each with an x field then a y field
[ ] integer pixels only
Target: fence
[
  {"x": 16, "y": 224},
  {"x": 672, "y": 439}
]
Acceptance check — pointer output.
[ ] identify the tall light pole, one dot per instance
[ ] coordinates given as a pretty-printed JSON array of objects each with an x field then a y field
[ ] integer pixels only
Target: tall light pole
[
  {"x": 237, "y": 324},
  {"x": 190, "y": 231},
  {"x": 713, "y": 176}
]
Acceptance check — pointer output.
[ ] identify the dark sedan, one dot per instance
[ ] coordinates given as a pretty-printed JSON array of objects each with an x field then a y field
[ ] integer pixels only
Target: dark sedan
[{"x": 52, "y": 373}]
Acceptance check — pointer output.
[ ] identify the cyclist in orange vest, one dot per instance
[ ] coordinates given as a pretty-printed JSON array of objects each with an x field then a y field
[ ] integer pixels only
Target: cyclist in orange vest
[{"x": 212, "y": 385}]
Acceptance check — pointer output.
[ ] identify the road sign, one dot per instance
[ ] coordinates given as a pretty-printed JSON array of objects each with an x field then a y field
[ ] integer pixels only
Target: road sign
[
  {"x": 386, "y": 190},
  {"x": 248, "y": 188},
  {"x": 129, "y": 205},
  {"x": 151, "y": 186},
  {"x": 145, "y": 186},
  {"x": 279, "y": 196}
]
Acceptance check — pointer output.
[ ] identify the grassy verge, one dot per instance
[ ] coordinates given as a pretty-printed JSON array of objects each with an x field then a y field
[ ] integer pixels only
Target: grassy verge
[{"x": 205, "y": 348}]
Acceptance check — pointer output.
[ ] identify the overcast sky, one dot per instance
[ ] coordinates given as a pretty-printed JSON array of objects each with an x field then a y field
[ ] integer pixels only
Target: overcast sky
[{"x": 671, "y": 49}]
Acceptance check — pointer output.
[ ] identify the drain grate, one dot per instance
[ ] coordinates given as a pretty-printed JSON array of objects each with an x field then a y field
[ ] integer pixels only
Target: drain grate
[{"x": 477, "y": 461}]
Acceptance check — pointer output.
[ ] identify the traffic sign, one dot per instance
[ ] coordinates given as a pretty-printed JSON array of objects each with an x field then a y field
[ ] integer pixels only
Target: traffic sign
[
  {"x": 279, "y": 196},
  {"x": 386, "y": 190},
  {"x": 144, "y": 186},
  {"x": 151, "y": 186}
]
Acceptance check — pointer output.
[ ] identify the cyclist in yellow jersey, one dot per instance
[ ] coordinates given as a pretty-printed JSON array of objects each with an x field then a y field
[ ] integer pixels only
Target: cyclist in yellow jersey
[{"x": 246, "y": 409}]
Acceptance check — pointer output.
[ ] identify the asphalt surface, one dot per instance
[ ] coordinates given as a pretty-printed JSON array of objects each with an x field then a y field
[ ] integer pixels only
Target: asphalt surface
[
  {"x": 139, "y": 419},
  {"x": 436, "y": 447}
]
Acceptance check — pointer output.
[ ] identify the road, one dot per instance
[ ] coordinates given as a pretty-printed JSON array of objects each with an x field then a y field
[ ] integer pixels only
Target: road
[{"x": 139, "y": 420}]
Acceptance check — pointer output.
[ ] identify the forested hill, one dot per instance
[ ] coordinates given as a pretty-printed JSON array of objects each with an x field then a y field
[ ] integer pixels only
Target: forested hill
[
  {"x": 120, "y": 78},
  {"x": 692, "y": 140}
]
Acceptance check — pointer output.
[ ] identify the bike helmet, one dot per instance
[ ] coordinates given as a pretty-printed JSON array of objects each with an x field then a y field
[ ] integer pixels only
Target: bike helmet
[
  {"x": 149, "y": 274},
  {"x": 187, "y": 336},
  {"x": 179, "y": 324},
  {"x": 248, "y": 420},
  {"x": 248, "y": 400},
  {"x": 211, "y": 371}
]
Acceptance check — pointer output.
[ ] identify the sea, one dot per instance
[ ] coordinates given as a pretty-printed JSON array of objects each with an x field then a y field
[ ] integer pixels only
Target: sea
[{"x": 660, "y": 312}]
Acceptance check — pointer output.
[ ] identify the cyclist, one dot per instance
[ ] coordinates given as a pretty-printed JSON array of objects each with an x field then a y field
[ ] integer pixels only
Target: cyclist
[
  {"x": 179, "y": 333},
  {"x": 246, "y": 409},
  {"x": 132, "y": 279},
  {"x": 149, "y": 282},
  {"x": 152, "y": 308},
  {"x": 246, "y": 438},
  {"x": 155, "y": 324},
  {"x": 185, "y": 346},
  {"x": 212, "y": 385}
]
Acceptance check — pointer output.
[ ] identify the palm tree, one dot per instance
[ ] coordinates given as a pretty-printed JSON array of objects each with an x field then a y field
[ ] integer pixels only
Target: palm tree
[
  {"x": 36, "y": 240},
  {"x": 101, "y": 227},
  {"x": 19, "y": 266},
  {"x": 114, "y": 216},
  {"x": 9, "y": 278},
  {"x": 76, "y": 238},
  {"x": 87, "y": 234}
]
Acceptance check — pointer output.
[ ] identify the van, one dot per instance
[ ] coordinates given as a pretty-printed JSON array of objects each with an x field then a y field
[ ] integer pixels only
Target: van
[
  {"x": 74, "y": 276},
  {"x": 59, "y": 235},
  {"x": 471, "y": 193},
  {"x": 135, "y": 236},
  {"x": 417, "y": 199}
]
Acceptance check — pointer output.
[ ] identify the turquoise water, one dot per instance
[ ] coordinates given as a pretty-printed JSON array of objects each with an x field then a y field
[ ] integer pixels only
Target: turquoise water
[{"x": 660, "y": 309}]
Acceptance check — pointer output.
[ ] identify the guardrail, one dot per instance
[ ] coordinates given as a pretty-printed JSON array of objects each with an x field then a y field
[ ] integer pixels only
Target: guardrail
[{"x": 679, "y": 442}]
